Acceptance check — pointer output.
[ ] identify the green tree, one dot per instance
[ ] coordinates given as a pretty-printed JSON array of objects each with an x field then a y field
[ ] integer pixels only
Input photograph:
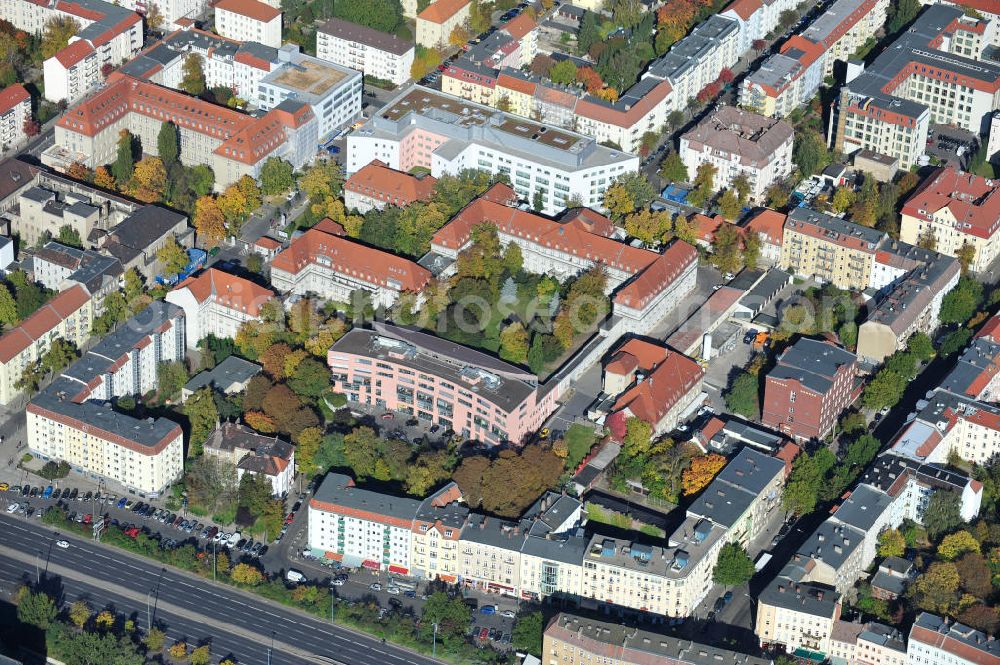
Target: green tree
[
  {"x": 921, "y": 346},
  {"x": 204, "y": 417},
  {"x": 383, "y": 15},
  {"x": 310, "y": 380},
  {"x": 36, "y": 609},
  {"x": 741, "y": 183},
  {"x": 276, "y": 176},
  {"x": 885, "y": 390},
  {"x": 672, "y": 168},
  {"x": 514, "y": 343},
  {"x": 733, "y": 567},
  {"x": 729, "y": 205},
  {"x": 56, "y": 34},
  {"x": 959, "y": 304},
  {"x": 954, "y": 342},
  {"x": 450, "y": 614},
  {"x": 806, "y": 480},
  {"x": 124, "y": 162},
  {"x": 171, "y": 377},
  {"x": 809, "y": 152},
  {"x": 891, "y": 543},
  {"x": 8, "y": 308},
  {"x": 361, "y": 451},
  {"x": 901, "y": 12},
  {"x": 527, "y": 633},
  {"x": 563, "y": 72},
  {"x": 168, "y": 144},
  {"x": 69, "y": 236},
  {"x": 956, "y": 544},
  {"x": 60, "y": 354},
  {"x": 743, "y": 396},
  {"x": 590, "y": 31},
  {"x": 173, "y": 257},
  {"x": 193, "y": 75},
  {"x": 966, "y": 254},
  {"x": 843, "y": 199},
  {"x": 943, "y": 513},
  {"x": 638, "y": 436}
]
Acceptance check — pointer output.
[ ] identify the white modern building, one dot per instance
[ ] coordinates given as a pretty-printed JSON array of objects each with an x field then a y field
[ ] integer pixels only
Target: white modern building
[
  {"x": 374, "y": 53},
  {"x": 15, "y": 109},
  {"x": 217, "y": 303},
  {"x": 935, "y": 640},
  {"x": 423, "y": 127},
  {"x": 248, "y": 21},
  {"x": 738, "y": 142}
]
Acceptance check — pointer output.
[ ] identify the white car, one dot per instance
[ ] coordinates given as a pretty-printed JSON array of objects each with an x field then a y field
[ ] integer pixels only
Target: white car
[
  {"x": 12, "y": 508},
  {"x": 62, "y": 544},
  {"x": 509, "y": 614},
  {"x": 393, "y": 591},
  {"x": 337, "y": 582}
]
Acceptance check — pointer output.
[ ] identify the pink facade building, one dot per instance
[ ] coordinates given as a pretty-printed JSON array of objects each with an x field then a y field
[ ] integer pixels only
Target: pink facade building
[{"x": 476, "y": 395}]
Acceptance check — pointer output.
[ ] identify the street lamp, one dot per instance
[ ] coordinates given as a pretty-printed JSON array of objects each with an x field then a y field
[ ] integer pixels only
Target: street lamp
[
  {"x": 149, "y": 616},
  {"x": 38, "y": 574},
  {"x": 434, "y": 642},
  {"x": 270, "y": 649}
]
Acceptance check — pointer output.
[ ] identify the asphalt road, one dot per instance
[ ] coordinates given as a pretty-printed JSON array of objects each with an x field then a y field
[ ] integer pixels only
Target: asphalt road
[{"x": 201, "y": 609}]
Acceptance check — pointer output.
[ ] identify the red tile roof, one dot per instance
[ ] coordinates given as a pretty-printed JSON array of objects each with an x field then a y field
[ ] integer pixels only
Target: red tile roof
[
  {"x": 970, "y": 199},
  {"x": 770, "y": 224},
  {"x": 653, "y": 397},
  {"x": 74, "y": 53},
  {"x": 705, "y": 226},
  {"x": 442, "y": 10},
  {"x": 991, "y": 329},
  {"x": 267, "y": 243},
  {"x": 516, "y": 84},
  {"x": 228, "y": 290},
  {"x": 636, "y": 354},
  {"x": 13, "y": 95},
  {"x": 590, "y": 107},
  {"x": 378, "y": 181},
  {"x": 42, "y": 321},
  {"x": 658, "y": 276},
  {"x": 590, "y": 221},
  {"x": 744, "y": 8},
  {"x": 520, "y": 26},
  {"x": 253, "y": 9},
  {"x": 351, "y": 258},
  {"x": 327, "y": 225}
]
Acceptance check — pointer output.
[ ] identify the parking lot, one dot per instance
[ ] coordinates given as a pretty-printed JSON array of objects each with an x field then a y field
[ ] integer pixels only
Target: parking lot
[{"x": 951, "y": 145}]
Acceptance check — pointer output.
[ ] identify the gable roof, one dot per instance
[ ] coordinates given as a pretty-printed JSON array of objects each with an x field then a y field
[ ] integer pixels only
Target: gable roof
[
  {"x": 377, "y": 180},
  {"x": 442, "y": 10},
  {"x": 636, "y": 354},
  {"x": 258, "y": 11},
  {"x": 11, "y": 96},
  {"x": 651, "y": 399},
  {"x": 770, "y": 224},
  {"x": 44, "y": 319},
  {"x": 227, "y": 290},
  {"x": 973, "y": 200}
]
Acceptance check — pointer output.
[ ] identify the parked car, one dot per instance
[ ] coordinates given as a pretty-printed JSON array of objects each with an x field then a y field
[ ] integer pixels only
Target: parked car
[
  {"x": 56, "y": 493},
  {"x": 508, "y": 614},
  {"x": 294, "y": 576},
  {"x": 375, "y": 586},
  {"x": 488, "y": 609},
  {"x": 12, "y": 508},
  {"x": 393, "y": 590},
  {"x": 122, "y": 502},
  {"x": 47, "y": 493}
]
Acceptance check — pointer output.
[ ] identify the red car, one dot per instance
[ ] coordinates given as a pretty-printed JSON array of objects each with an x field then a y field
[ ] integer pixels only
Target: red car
[
  {"x": 291, "y": 516},
  {"x": 484, "y": 633},
  {"x": 132, "y": 533},
  {"x": 442, "y": 68},
  {"x": 88, "y": 518}
]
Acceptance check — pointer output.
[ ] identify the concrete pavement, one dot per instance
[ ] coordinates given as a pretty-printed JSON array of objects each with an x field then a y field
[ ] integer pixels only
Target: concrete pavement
[{"x": 219, "y": 610}]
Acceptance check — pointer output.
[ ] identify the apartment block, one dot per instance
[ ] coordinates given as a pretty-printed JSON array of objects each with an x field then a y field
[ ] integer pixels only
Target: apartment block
[
  {"x": 253, "y": 453},
  {"x": 956, "y": 209},
  {"x": 935, "y": 73},
  {"x": 798, "y": 617},
  {"x": 866, "y": 644},
  {"x": 248, "y": 21},
  {"x": 829, "y": 249},
  {"x": 437, "y": 529},
  {"x": 217, "y": 303},
  {"x": 845, "y": 27},
  {"x": 175, "y": 12},
  {"x": 232, "y": 143},
  {"x": 72, "y": 419},
  {"x": 68, "y": 316},
  {"x": 423, "y": 127},
  {"x": 811, "y": 385},
  {"x": 935, "y": 640},
  {"x": 374, "y": 53},
  {"x": 15, "y": 109},
  {"x": 911, "y": 481},
  {"x": 490, "y": 554},
  {"x": 438, "y": 381},
  {"x": 976, "y": 375},
  {"x": 786, "y": 80},
  {"x": 438, "y": 20},
  {"x": 359, "y": 527},
  {"x": 740, "y": 143},
  {"x": 377, "y": 186},
  {"x": 769, "y": 225},
  {"x": 109, "y": 34},
  {"x": 577, "y": 640},
  {"x": 333, "y": 267},
  {"x": 645, "y": 286}
]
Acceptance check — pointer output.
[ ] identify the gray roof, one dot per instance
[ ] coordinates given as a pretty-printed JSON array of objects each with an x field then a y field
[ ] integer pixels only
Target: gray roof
[
  {"x": 889, "y": 467},
  {"x": 231, "y": 370},
  {"x": 754, "y": 138},
  {"x": 140, "y": 230},
  {"x": 738, "y": 485},
  {"x": 501, "y": 383},
  {"x": 832, "y": 543},
  {"x": 452, "y": 514},
  {"x": 493, "y": 532},
  {"x": 365, "y": 35},
  {"x": 835, "y": 228},
  {"x": 638, "y": 645},
  {"x": 978, "y": 357},
  {"x": 891, "y": 583},
  {"x": 823, "y": 27},
  {"x": 806, "y": 597},
  {"x": 910, "y": 296},
  {"x": 339, "y": 490},
  {"x": 38, "y": 194},
  {"x": 887, "y": 636},
  {"x": 812, "y": 362},
  {"x": 914, "y": 46},
  {"x": 863, "y": 508},
  {"x": 569, "y": 549},
  {"x": 988, "y": 649}
]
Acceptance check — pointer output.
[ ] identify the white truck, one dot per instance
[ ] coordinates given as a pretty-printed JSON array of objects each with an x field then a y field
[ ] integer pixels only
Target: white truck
[{"x": 294, "y": 576}]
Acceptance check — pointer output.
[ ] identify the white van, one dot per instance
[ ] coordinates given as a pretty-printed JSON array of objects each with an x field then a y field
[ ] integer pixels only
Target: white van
[
  {"x": 233, "y": 539},
  {"x": 294, "y": 576}
]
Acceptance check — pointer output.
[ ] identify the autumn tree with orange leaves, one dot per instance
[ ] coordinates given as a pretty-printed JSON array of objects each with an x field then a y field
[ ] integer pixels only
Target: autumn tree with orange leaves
[
  {"x": 701, "y": 472},
  {"x": 209, "y": 220},
  {"x": 103, "y": 178},
  {"x": 149, "y": 180}
]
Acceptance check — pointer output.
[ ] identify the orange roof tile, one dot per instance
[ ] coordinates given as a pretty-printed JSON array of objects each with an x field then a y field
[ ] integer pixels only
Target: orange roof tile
[
  {"x": 442, "y": 10},
  {"x": 516, "y": 84},
  {"x": 590, "y": 221},
  {"x": 520, "y": 26},
  {"x": 621, "y": 115},
  {"x": 971, "y": 199},
  {"x": 228, "y": 290},
  {"x": 652, "y": 398},
  {"x": 378, "y": 181},
  {"x": 637, "y": 354},
  {"x": 74, "y": 53},
  {"x": 253, "y": 9},
  {"x": 267, "y": 243},
  {"x": 656, "y": 277},
  {"x": 11, "y": 96},
  {"x": 707, "y": 226},
  {"x": 744, "y": 8},
  {"x": 327, "y": 225},
  {"x": 991, "y": 329},
  {"x": 42, "y": 321},
  {"x": 770, "y": 224},
  {"x": 352, "y": 258}
]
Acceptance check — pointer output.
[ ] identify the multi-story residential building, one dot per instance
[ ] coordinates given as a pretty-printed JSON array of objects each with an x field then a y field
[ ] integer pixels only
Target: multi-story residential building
[
  {"x": 423, "y": 127},
  {"x": 668, "y": 384},
  {"x": 15, "y": 110},
  {"x": 808, "y": 389},
  {"x": 333, "y": 266},
  {"x": 438, "y": 381},
  {"x": 437, "y": 529},
  {"x": 740, "y": 143},
  {"x": 935, "y": 640},
  {"x": 756, "y": 18},
  {"x": 976, "y": 375},
  {"x": 232, "y": 143},
  {"x": 250, "y": 452},
  {"x": 360, "y": 527},
  {"x": 374, "y": 53},
  {"x": 67, "y": 316},
  {"x": 72, "y": 419},
  {"x": 42, "y": 213},
  {"x": 769, "y": 225},
  {"x": 911, "y": 482},
  {"x": 174, "y": 12},
  {"x": 955, "y": 209},
  {"x": 786, "y": 80},
  {"x": 933, "y": 73},
  {"x": 967, "y": 428},
  {"x": 217, "y": 303},
  {"x": 332, "y": 92},
  {"x": 108, "y": 35},
  {"x": 829, "y": 249},
  {"x": 573, "y": 640},
  {"x": 137, "y": 239},
  {"x": 892, "y": 578},
  {"x": 490, "y": 554},
  {"x": 911, "y": 305},
  {"x": 645, "y": 285},
  {"x": 866, "y": 644},
  {"x": 248, "y": 21},
  {"x": 375, "y": 185},
  {"x": 797, "y": 616},
  {"x": 845, "y": 27},
  {"x": 438, "y": 20},
  {"x": 55, "y": 263},
  {"x": 551, "y": 567}
]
